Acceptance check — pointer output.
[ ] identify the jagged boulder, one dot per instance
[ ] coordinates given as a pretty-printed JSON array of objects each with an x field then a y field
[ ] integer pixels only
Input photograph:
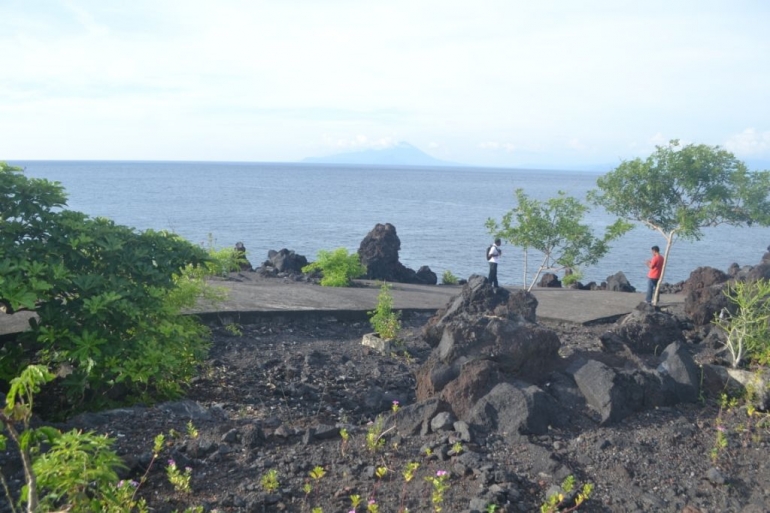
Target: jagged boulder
[
  {"x": 378, "y": 252},
  {"x": 482, "y": 338},
  {"x": 284, "y": 262},
  {"x": 619, "y": 283},
  {"x": 479, "y": 298},
  {"x": 515, "y": 409},
  {"x": 737, "y": 272},
  {"x": 415, "y": 418},
  {"x": 616, "y": 394},
  {"x": 704, "y": 295},
  {"x": 287, "y": 261},
  {"x": 702, "y": 278},
  {"x": 759, "y": 272},
  {"x": 646, "y": 330},
  {"x": 550, "y": 280},
  {"x": 425, "y": 276},
  {"x": 680, "y": 372}
]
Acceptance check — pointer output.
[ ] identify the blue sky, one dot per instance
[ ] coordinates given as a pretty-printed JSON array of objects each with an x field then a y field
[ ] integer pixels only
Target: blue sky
[{"x": 491, "y": 83}]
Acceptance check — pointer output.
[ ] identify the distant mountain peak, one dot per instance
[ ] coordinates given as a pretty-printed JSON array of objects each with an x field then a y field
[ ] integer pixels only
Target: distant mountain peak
[{"x": 400, "y": 154}]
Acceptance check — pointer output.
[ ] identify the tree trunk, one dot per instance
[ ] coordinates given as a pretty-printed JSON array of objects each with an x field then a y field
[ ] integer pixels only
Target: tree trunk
[
  {"x": 543, "y": 265},
  {"x": 526, "y": 264},
  {"x": 669, "y": 243}
]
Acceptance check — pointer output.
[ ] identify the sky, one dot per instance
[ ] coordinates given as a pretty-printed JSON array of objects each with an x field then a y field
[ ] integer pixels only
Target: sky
[{"x": 503, "y": 83}]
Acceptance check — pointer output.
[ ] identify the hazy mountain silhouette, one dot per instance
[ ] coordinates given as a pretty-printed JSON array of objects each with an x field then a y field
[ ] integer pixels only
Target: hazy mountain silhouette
[{"x": 402, "y": 154}]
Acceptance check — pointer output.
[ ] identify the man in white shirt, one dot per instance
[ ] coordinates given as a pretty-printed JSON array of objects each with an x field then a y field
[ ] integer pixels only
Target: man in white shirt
[{"x": 493, "y": 255}]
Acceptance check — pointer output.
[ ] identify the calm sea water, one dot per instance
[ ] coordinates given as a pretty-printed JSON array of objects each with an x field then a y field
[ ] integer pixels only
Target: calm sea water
[{"x": 439, "y": 213}]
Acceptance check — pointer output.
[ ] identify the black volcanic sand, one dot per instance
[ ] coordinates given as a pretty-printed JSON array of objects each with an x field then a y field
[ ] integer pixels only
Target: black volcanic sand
[{"x": 264, "y": 391}]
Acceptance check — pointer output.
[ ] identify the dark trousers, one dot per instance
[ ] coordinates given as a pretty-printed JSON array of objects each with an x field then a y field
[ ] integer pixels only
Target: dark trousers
[
  {"x": 493, "y": 274},
  {"x": 651, "y": 284}
]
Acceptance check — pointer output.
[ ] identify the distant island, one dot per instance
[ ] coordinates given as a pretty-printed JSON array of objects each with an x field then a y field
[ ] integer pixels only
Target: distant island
[{"x": 402, "y": 154}]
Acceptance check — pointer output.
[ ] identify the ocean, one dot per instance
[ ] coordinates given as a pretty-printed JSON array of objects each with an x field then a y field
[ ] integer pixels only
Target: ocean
[{"x": 439, "y": 213}]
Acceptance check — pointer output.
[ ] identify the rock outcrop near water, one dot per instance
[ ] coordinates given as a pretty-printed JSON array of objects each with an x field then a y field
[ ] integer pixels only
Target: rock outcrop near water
[
  {"x": 379, "y": 253},
  {"x": 283, "y": 263}
]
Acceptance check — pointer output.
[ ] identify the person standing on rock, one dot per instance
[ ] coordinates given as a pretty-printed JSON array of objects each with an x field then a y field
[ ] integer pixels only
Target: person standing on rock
[
  {"x": 493, "y": 255},
  {"x": 655, "y": 264}
]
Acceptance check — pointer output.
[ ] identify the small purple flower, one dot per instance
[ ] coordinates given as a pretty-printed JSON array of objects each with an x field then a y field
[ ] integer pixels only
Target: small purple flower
[
  {"x": 441, "y": 473},
  {"x": 372, "y": 501},
  {"x": 395, "y": 403},
  {"x": 721, "y": 428},
  {"x": 171, "y": 463}
]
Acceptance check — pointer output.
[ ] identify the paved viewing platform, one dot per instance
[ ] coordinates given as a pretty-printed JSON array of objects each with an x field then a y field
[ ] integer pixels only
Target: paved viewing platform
[
  {"x": 251, "y": 297},
  {"x": 265, "y": 296}
]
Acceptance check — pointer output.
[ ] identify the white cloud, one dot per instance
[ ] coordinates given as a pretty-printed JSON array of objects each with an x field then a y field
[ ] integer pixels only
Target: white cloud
[
  {"x": 191, "y": 79},
  {"x": 750, "y": 142}
]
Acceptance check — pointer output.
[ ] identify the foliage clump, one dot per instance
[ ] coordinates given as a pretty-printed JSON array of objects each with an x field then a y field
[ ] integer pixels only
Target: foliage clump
[
  {"x": 748, "y": 329},
  {"x": 108, "y": 300},
  {"x": 337, "y": 267},
  {"x": 679, "y": 190},
  {"x": 385, "y": 321},
  {"x": 448, "y": 278},
  {"x": 554, "y": 228}
]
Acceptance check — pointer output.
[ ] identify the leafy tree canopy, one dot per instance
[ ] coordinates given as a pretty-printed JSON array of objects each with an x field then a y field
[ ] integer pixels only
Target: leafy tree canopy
[
  {"x": 556, "y": 229},
  {"x": 682, "y": 189},
  {"x": 679, "y": 190}
]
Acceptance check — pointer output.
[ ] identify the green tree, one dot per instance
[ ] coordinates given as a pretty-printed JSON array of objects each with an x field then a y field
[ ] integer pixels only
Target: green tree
[
  {"x": 108, "y": 299},
  {"x": 679, "y": 190},
  {"x": 555, "y": 228}
]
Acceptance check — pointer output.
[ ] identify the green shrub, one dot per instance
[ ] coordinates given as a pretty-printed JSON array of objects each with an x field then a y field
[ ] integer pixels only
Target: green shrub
[
  {"x": 223, "y": 261},
  {"x": 748, "y": 334},
  {"x": 108, "y": 299},
  {"x": 337, "y": 267},
  {"x": 448, "y": 278},
  {"x": 383, "y": 319},
  {"x": 76, "y": 472},
  {"x": 571, "y": 278}
]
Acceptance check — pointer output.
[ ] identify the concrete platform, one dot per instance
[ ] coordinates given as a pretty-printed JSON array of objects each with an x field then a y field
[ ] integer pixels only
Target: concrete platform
[{"x": 252, "y": 297}]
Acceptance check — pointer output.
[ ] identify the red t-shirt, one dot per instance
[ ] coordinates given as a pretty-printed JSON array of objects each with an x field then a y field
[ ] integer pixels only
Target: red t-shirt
[{"x": 656, "y": 266}]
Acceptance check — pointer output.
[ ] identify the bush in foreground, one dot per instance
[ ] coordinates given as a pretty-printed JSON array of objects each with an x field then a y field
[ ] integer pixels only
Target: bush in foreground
[{"x": 108, "y": 299}]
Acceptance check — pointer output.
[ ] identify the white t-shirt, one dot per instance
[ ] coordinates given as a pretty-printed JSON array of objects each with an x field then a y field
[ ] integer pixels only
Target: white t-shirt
[{"x": 494, "y": 254}]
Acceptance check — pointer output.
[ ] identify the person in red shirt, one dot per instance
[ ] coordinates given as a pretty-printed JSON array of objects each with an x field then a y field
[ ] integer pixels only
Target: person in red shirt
[{"x": 655, "y": 264}]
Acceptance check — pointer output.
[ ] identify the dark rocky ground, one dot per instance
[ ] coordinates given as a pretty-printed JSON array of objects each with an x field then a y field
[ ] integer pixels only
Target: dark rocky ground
[{"x": 274, "y": 396}]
